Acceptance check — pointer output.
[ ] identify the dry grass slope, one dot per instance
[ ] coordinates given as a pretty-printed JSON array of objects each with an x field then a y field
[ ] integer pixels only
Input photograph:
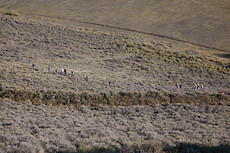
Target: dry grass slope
[
  {"x": 114, "y": 62},
  {"x": 204, "y": 22},
  {"x": 163, "y": 127},
  {"x": 115, "y": 110}
]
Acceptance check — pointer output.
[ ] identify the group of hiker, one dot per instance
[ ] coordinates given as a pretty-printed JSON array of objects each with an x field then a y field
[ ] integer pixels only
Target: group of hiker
[
  {"x": 178, "y": 86},
  {"x": 62, "y": 72},
  {"x": 197, "y": 86}
]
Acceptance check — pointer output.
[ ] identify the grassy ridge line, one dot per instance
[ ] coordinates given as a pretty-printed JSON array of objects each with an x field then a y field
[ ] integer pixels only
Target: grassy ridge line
[
  {"x": 130, "y": 30},
  {"x": 60, "y": 98}
]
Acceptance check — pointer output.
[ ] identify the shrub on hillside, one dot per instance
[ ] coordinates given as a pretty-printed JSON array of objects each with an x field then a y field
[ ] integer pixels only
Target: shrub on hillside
[{"x": 12, "y": 13}]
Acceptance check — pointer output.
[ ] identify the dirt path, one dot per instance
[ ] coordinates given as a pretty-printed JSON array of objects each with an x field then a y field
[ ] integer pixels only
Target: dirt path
[{"x": 29, "y": 128}]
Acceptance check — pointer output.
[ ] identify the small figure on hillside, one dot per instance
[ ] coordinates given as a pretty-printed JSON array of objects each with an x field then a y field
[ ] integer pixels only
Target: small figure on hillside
[
  {"x": 72, "y": 73},
  {"x": 109, "y": 81},
  {"x": 151, "y": 86},
  {"x": 62, "y": 71},
  {"x": 49, "y": 69},
  {"x": 198, "y": 86},
  {"x": 202, "y": 87},
  {"x": 65, "y": 71},
  {"x": 33, "y": 65},
  {"x": 56, "y": 71},
  {"x": 178, "y": 85},
  {"x": 195, "y": 86},
  {"x": 87, "y": 78}
]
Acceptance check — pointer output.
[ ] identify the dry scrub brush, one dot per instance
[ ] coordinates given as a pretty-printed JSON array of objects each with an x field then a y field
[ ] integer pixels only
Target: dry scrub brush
[{"x": 131, "y": 63}]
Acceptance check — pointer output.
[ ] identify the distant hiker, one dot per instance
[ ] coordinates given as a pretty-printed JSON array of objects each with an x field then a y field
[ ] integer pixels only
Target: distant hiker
[
  {"x": 195, "y": 86},
  {"x": 202, "y": 87},
  {"x": 65, "y": 71},
  {"x": 109, "y": 81},
  {"x": 151, "y": 86},
  {"x": 178, "y": 86},
  {"x": 198, "y": 86},
  {"x": 181, "y": 86},
  {"x": 56, "y": 71},
  {"x": 33, "y": 65},
  {"x": 87, "y": 78},
  {"x": 62, "y": 71},
  {"x": 72, "y": 73},
  {"x": 49, "y": 69}
]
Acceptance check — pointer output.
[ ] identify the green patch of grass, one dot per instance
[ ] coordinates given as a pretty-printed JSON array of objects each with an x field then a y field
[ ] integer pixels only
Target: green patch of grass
[
  {"x": 85, "y": 149},
  {"x": 119, "y": 99},
  {"x": 12, "y": 13}
]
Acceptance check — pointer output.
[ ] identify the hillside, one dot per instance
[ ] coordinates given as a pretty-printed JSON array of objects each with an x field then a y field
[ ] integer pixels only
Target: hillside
[
  {"x": 129, "y": 63},
  {"x": 129, "y": 103},
  {"x": 147, "y": 129},
  {"x": 202, "y": 22}
]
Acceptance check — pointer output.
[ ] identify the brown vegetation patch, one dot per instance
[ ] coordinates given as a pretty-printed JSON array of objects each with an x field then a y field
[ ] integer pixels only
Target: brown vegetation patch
[
  {"x": 114, "y": 62},
  {"x": 163, "y": 127},
  {"x": 53, "y": 98}
]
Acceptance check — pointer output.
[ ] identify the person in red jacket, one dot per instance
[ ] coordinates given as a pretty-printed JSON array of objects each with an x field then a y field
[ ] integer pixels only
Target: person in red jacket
[
  {"x": 178, "y": 85},
  {"x": 198, "y": 86}
]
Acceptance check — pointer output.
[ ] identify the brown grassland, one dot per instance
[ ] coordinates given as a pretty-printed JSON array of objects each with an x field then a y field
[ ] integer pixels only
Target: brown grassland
[
  {"x": 203, "y": 22},
  {"x": 133, "y": 58}
]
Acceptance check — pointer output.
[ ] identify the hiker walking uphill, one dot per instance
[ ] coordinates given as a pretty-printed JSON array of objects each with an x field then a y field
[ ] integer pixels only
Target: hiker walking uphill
[
  {"x": 87, "y": 78},
  {"x": 65, "y": 71},
  {"x": 202, "y": 86},
  {"x": 198, "y": 86},
  {"x": 178, "y": 85},
  {"x": 151, "y": 87}
]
